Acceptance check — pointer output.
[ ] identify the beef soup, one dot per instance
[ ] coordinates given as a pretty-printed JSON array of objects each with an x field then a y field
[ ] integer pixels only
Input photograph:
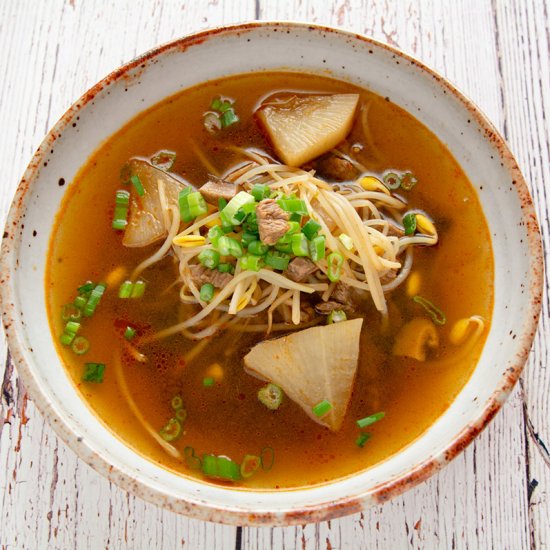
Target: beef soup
[{"x": 271, "y": 280}]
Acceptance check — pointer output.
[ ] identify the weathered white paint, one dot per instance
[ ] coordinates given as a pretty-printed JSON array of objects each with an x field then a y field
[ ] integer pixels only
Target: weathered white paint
[{"x": 498, "y": 53}]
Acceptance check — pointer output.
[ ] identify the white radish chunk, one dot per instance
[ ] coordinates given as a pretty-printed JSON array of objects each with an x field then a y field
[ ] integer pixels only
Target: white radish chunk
[
  {"x": 313, "y": 365},
  {"x": 305, "y": 127},
  {"x": 146, "y": 223}
]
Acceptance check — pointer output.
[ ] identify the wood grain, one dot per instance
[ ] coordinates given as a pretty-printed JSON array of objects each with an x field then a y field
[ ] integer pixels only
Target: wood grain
[{"x": 497, "y": 53}]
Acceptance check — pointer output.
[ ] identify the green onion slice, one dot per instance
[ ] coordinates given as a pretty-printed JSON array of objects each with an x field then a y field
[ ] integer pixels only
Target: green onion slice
[
  {"x": 164, "y": 160},
  {"x": 267, "y": 457},
  {"x": 250, "y": 465},
  {"x": 336, "y": 316},
  {"x": 172, "y": 430},
  {"x": 300, "y": 245},
  {"x": 277, "y": 260},
  {"x": 368, "y": 420},
  {"x": 408, "y": 181},
  {"x": 362, "y": 439},
  {"x": 80, "y": 345},
  {"x": 409, "y": 223},
  {"x": 181, "y": 415},
  {"x": 237, "y": 202},
  {"x": 347, "y": 241},
  {"x": 311, "y": 228},
  {"x": 271, "y": 396},
  {"x": 260, "y": 191},
  {"x": 209, "y": 258},
  {"x": 317, "y": 248},
  {"x": 191, "y": 459},
  {"x": 176, "y": 402},
  {"x": 322, "y": 408},
  {"x": 208, "y": 382},
  {"x": 392, "y": 180},
  {"x": 94, "y": 299},
  {"x": 335, "y": 262},
  {"x": 138, "y": 186},
  {"x": 228, "y": 469},
  {"x": 125, "y": 289},
  {"x": 71, "y": 312},
  {"x": 94, "y": 372},
  {"x": 438, "y": 317},
  {"x": 228, "y": 246},
  {"x": 206, "y": 292},
  {"x": 138, "y": 289},
  {"x": 129, "y": 333}
]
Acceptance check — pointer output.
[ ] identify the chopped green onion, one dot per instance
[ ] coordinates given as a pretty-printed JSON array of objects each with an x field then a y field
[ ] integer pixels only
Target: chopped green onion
[
  {"x": 209, "y": 465},
  {"x": 227, "y": 468},
  {"x": 164, "y": 160},
  {"x": 311, "y": 228},
  {"x": 293, "y": 205},
  {"x": 258, "y": 248},
  {"x": 72, "y": 327},
  {"x": 138, "y": 289},
  {"x": 191, "y": 205},
  {"x": 209, "y": 258},
  {"x": 239, "y": 200},
  {"x": 225, "y": 105},
  {"x": 125, "y": 173},
  {"x": 226, "y": 268},
  {"x": 409, "y": 223},
  {"x": 295, "y": 217},
  {"x": 250, "y": 465},
  {"x": 438, "y": 317},
  {"x": 335, "y": 261},
  {"x": 284, "y": 247},
  {"x": 176, "y": 402},
  {"x": 80, "y": 302},
  {"x": 251, "y": 223},
  {"x": 347, "y": 241},
  {"x": 136, "y": 182},
  {"x": 362, "y": 439},
  {"x": 214, "y": 233},
  {"x": 321, "y": 408},
  {"x": 129, "y": 333},
  {"x": 228, "y": 118},
  {"x": 94, "y": 299},
  {"x": 172, "y": 430},
  {"x": 267, "y": 457},
  {"x": 277, "y": 260},
  {"x": 230, "y": 247},
  {"x": 226, "y": 226},
  {"x": 216, "y": 104},
  {"x": 260, "y": 191},
  {"x": 67, "y": 338},
  {"x": 293, "y": 228},
  {"x": 181, "y": 415},
  {"x": 222, "y": 203},
  {"x": 392, "y": 180},
  {"x": 336, "y": 316},
  {"x": 71, "y": 312},
  {"x": 300, "y": 245},
  {"x": 120, "y": 217},
  {"x": 368, "y": 420},
  {"x": 93, "y": 372},
  {"x": 408, "y": 181},
  {"x": 211, "y": 122},
  {"x": 317, "y": 248},
  {"x": 251, "y": 262},
  {"x": 271, "y": 396},
  {"x": 206, "y": 292},
  {"x": 208, "y": 382},
  {"x": 247, "y": 238},
  {"x": 125, "y": 289},
  {"x": 80, "y": 345},
  {"x": 86, "y": 288},
  {"x": 191, "y": 459}
]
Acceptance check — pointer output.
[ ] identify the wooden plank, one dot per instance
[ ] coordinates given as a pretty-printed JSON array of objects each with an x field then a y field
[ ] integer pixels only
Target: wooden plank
[
  {"x": 51, "y": 52},
  {"x": 524, "y": 46}
]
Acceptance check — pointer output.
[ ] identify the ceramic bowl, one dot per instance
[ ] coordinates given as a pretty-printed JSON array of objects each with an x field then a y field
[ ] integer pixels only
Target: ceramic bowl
[{"x": 252, "y": 47}]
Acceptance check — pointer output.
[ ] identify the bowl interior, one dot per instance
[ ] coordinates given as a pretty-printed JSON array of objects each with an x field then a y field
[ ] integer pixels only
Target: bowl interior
[{"x": 207, "y": 56}]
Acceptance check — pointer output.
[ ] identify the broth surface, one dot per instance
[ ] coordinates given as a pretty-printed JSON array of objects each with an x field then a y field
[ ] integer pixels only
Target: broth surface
[{"x": 227, "y": 419}]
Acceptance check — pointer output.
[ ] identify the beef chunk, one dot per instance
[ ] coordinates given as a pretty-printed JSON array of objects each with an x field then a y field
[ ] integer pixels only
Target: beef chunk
[
  {"x": 202, "y": 275},
  {"x": 272, "y": 221},
  {"x": 218, "y": 188},
  {"x": 324, "y": 308},
  {"x": 299, "y": 269},
  {"x": 336, "y": 168},
  {"x": 342, "y": 293}
]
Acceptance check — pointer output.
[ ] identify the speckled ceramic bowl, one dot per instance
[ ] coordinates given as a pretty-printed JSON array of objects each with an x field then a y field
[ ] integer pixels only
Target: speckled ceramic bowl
[{"x": 225, "y": 51}]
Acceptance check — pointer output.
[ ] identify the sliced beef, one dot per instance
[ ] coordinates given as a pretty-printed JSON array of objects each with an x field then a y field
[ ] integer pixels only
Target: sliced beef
[
  {"x": 324, "y": 308},
  {"x": 218, "y": 188},
  {"x": 202, "y": 275},
  {"x": 335, "y": 168},
  {"x": 272, "y": 221},
  {"x": 299, "y": 269}
]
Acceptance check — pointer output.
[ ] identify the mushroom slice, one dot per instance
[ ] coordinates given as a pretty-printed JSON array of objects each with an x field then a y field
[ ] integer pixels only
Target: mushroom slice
[
  {"x": 304, "y": 127},
  {"x": 314, "y": 365},
  {"x": 415, "y": 339},
  {"x": 146, "y": 223}
]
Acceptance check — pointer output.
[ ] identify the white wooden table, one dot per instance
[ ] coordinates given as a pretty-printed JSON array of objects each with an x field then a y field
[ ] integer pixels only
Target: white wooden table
[{"x": 496, "y": 494}]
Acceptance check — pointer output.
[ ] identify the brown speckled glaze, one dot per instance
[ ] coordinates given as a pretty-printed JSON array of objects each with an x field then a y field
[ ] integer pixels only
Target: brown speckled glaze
[{"x": 202, "y": 508}]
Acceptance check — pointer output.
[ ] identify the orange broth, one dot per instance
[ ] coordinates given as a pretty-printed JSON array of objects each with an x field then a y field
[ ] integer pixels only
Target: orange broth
[{"x": 227, "y": 419}]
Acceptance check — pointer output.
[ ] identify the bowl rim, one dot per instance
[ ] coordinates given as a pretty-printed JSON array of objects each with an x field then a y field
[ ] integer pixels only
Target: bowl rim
[{"x": 319, "y": 511}]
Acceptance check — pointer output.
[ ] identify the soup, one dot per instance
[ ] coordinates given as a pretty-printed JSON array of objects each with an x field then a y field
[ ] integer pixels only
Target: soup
[{"x": 271, "y": 280}]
